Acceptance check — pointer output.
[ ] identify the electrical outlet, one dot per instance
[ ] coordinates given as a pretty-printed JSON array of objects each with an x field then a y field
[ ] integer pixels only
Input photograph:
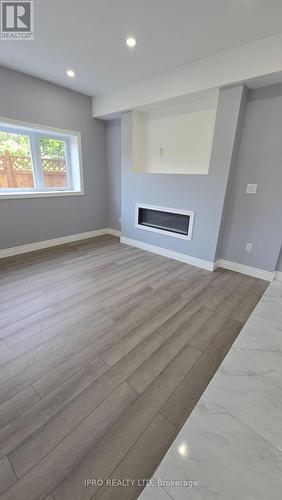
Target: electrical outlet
[
  {"x": 248, "y": 247},
  {"x": 161, "y": 153},
  {"x": 251, "y": 188}
]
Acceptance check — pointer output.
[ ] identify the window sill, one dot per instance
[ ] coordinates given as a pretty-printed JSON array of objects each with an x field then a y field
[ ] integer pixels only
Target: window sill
[{"x": 39, "y": 194}]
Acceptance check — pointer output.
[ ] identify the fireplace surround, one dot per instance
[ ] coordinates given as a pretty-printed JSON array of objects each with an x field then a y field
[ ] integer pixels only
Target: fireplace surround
[{"x": 167, "y": 221}]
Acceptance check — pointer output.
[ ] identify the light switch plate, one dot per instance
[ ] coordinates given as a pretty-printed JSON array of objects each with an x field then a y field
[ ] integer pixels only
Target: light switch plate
[{"x": 251, "y": 188}]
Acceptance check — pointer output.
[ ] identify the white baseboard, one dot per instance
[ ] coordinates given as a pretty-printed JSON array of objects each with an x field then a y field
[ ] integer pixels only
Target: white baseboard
[
  {"x": 113, "y": 232},
  {"x": 31, "y": 247},
  {"x": 204, "y": 264},
  {"x": 278, "y": 275},
  {"x": 194, "y": 261},
  {"x": 241, "y": 268}
]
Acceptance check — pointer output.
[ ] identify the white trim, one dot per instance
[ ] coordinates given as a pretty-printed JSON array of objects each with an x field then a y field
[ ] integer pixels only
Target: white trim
[
  {"x": 113, "y": 232},
  {"x": 38, "y": 194},
  {"x": 31, "y": 247},
  {"x": 194, "y": 261},
  {"x": 191, "y": 213},
  {"x": 204, "y": 264},
  {"x": 278, "y": 275},
  {"x": 241, "y": 268}
]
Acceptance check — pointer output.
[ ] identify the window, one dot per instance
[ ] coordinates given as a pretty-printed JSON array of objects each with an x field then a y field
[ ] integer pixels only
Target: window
[{"x": 37, "y": 162}]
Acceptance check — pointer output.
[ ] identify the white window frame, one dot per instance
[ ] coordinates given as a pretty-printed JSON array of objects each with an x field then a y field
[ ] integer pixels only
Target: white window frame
[{"x": 73, "y": 159}]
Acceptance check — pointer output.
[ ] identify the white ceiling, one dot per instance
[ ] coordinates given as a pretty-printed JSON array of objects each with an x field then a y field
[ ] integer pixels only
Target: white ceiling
[{"x": 89, "y": 36}]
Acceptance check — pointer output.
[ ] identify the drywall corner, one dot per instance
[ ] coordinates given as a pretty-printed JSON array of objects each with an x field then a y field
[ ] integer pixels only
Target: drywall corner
[{"x": 240, "y": 107}]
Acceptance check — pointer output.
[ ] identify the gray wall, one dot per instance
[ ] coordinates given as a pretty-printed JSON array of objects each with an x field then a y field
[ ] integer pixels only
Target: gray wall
[
  {"x": 203, "y": 193},
  {"x": 217, "y": 232},
  {"x": 257, "y": 218},
  {"x": 24, "y": 221},
  {"x": 232, "y": 170},
  {"x": 113, "y": 137},
  {"x": 279, "y": 263}
]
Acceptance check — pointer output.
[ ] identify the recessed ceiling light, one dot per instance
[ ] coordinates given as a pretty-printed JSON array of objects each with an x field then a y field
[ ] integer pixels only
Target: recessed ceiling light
[
  {"x": 183, "y": 449},
  {"x": 70, "y": 73},
  {"x": 130, "y": 42}
]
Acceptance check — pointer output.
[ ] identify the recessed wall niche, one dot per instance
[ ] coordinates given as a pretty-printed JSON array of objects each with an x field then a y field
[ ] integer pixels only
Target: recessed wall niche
[{"x": 175, "y": 143}]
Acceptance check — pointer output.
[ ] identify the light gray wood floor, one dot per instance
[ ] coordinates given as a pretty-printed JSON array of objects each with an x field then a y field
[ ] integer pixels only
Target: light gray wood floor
[{"x": 104, "y": 351}]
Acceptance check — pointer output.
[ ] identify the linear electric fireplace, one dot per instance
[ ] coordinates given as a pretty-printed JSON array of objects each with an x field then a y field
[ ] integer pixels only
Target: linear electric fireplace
[{"x": 168, "y": 221}]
